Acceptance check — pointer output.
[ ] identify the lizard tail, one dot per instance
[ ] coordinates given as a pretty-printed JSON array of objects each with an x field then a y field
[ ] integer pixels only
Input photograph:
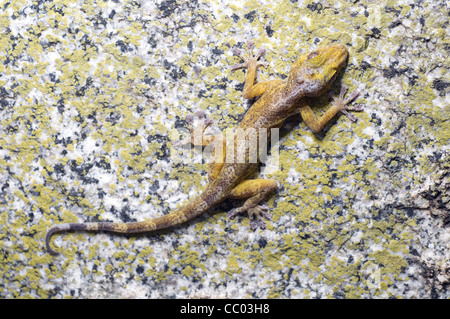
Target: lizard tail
[{"x": 196, "y": 207}]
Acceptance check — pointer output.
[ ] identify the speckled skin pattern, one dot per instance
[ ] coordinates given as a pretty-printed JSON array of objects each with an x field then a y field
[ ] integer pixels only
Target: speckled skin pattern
[{"x": 90, "y": 92}]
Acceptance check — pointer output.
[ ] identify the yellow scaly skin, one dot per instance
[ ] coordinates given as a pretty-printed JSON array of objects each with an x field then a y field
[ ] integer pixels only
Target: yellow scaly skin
[{"x": 310, "y": 76}]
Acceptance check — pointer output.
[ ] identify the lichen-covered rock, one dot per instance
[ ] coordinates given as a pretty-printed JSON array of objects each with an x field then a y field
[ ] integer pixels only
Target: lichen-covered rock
[{"x": 91, "y": 92}]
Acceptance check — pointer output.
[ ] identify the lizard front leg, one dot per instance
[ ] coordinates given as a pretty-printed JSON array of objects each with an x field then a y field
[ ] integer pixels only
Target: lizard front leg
[
  {"x": 201, "y": 136},
  {"x": 252, "y": 64},
  {"x": 339, "y": 105}
]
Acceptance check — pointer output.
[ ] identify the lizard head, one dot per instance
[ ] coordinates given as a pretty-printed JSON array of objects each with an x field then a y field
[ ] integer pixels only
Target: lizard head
[{"x": 314, "y": 72}]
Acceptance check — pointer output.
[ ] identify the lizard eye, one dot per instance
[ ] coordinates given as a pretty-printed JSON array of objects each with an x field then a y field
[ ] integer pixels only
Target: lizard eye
[{"x": 312, "y": 55}]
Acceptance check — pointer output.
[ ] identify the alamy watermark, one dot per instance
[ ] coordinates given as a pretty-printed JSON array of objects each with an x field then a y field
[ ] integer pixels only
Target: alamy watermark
[{"x": 240, "y": 146}]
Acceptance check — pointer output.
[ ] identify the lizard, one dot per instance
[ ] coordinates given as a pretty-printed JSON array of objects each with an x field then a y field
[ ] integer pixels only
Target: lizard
[{"x": 310, "y": 76}]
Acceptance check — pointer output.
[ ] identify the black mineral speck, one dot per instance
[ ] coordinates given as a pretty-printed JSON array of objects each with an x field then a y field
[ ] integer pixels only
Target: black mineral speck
[
  {"x": 250, "y": 16},
  {"x": 441, "y": 86},
  {"x": 269, "y": 31},
  {"x": 316, "y": 6}
]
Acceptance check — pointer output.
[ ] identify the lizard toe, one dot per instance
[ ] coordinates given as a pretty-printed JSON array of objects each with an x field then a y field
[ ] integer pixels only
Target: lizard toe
[
  {"x": 342, "y": 103},
  {"x": 250, "y": 59},
  {"x": 232, "y": 213},
  {"x": 257, "y": 214}
]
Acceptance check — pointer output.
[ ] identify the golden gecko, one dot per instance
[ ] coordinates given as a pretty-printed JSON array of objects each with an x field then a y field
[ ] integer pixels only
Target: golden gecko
[{"x": 310, "y": 76}]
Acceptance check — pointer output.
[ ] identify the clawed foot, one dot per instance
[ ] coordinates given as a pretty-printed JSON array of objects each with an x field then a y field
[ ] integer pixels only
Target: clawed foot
[
  {"x": 203, "y": 125},
  {"x": 200, "y": 129},
  {"x": 248, "y": 61},
  {"x": 256, "y": 214},
  {"x": 343, "y": 103}
]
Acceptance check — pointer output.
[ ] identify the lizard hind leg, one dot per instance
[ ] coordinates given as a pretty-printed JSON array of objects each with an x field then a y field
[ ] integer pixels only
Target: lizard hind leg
[{"x": 255, "y": 190}]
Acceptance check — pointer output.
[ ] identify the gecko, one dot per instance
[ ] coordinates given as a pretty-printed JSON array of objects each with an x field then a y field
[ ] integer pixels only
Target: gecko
[{"x": 311, "y": 75}]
